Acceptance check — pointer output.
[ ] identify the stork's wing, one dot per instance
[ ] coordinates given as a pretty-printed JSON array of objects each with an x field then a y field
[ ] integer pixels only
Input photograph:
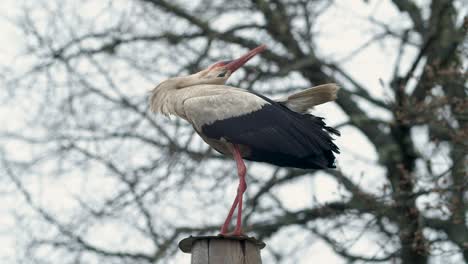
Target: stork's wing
[
  {"x": 210, "y": 108},
  {"x": 273, "y": 133}
]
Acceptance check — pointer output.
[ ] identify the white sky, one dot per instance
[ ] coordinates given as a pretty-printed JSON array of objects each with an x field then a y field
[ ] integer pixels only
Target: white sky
[{"x": 10, "y": 41}]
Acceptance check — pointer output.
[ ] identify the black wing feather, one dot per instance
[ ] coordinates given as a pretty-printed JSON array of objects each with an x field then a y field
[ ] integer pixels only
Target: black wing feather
[{"x": 280, "y": 136}]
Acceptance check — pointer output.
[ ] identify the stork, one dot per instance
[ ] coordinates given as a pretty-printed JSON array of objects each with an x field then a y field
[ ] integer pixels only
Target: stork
[{"x": 250, "y": 126}]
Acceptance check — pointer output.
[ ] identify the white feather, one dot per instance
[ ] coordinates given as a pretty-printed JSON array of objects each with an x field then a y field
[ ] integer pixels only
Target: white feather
[
  {"x": 219, "y": 102},
  {"x": 304, "y": 100}
]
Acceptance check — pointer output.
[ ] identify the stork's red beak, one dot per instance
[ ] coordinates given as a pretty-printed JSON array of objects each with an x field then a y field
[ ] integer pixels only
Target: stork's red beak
[{"x": 237, "y": 63}]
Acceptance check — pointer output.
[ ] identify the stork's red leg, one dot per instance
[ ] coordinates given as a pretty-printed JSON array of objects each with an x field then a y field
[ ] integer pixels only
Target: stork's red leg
[
  {"x": 241, "y": 169},
  {"x": 224, "y": 228}
]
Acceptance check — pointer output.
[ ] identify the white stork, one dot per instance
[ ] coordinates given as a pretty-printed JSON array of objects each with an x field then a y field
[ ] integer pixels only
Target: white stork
[{"x": 246, "y": 125}]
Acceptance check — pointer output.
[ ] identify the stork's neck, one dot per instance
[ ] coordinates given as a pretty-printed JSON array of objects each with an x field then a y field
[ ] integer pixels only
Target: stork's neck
[
  {"x": 160, "y": 96},
  {"x": 176, "y": 98},
  {"x": 168, "y": 97}
]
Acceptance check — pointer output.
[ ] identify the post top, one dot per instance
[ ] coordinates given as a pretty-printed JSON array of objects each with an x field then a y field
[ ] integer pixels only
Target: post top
[{"x": 186, "y": 244}]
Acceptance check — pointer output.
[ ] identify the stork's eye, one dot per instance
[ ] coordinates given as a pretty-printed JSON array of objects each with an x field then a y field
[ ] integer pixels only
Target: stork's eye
[{"x": 222, "y": 74}]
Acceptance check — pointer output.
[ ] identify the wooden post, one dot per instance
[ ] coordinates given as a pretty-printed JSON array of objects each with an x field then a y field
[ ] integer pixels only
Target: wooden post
[{"x": 222, "y": 249}]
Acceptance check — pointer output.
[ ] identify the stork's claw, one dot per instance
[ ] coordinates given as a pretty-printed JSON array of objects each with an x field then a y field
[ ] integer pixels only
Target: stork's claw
[{"x": 233, "y": 234}]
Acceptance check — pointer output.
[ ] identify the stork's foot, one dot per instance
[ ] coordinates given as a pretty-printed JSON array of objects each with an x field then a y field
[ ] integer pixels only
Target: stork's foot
[
  {"x": 235, "y": 233},
  {"x": 224, "y": 231},
  {"x": 238, "y": 232}
]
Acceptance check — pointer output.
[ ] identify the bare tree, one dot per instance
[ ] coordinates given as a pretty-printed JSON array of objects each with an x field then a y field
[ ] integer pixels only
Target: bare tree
[{"x": 130, "y": 185}]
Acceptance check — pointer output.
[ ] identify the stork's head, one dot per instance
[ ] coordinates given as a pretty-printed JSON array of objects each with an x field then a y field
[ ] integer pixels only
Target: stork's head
[{"x": 219, "y": 72}]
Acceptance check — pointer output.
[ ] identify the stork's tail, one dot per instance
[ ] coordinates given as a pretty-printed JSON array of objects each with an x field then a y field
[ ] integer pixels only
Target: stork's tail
[{"x": 304, "y": 100}]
